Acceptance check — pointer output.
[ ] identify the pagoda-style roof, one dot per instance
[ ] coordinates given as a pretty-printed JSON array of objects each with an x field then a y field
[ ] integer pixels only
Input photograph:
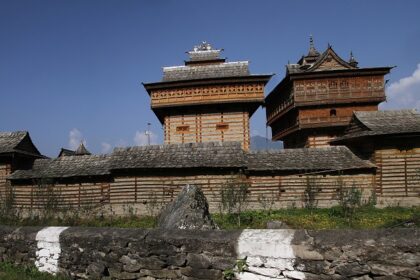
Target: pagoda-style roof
[
  {"x": 81, "y": 150},
  {"x": 205, "y": 65},
  {"x": 219, "y": 70},
  {"x": 381, "y": 123},
  {"x": 18, "y": 142},
  {"x": 66, "y": 152}
]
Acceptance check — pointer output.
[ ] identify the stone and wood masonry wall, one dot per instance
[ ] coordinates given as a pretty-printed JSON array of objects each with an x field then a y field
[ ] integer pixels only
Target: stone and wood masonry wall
[{"x": 112, "y": 253}]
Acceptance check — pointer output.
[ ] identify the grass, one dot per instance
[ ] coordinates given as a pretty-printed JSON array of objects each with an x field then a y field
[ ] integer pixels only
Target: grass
[
  {"x": 13, "y": 272},
  {"x": 331, "y": 218}
]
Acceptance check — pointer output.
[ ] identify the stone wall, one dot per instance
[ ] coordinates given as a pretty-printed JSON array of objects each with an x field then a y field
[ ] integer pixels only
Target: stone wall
[{"x": 112, "y": 253}]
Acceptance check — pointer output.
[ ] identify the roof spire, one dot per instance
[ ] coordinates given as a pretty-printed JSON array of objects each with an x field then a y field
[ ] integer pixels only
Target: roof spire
[
  {"x": 204, "y": 52},
  {"x": 352, "y": 61},
  {"x": 312, "y": 49},
  {"x": 81, "y": 150}
]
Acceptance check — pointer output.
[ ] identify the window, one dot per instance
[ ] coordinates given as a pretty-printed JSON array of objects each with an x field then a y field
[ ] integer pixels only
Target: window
[
  {"x": 333, "y": 113},
  {"x": 332, "y": 84},
  {"x": 222, "y": 126},
  {"x": 183, "y": 128},
  {"x": 344, "y": 84}
]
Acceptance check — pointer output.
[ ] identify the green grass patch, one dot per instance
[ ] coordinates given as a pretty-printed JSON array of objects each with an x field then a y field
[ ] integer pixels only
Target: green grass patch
[
  {"x": 13, "y": 272},
  {"x": 331, "y": 218},
  {"x": 296, "y": 218}
]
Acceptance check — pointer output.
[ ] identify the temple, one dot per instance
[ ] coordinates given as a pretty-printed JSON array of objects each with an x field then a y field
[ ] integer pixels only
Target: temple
[
  {"x": 207, "y": 99},
  {"x": 325, "y": 110},
  {"x": 316, "y": 99}
]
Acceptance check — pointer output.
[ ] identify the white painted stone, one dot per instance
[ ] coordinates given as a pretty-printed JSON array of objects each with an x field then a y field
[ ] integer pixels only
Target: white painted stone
[
  {"x": 267, "y": 243},
  {"x": 269, "y": 254},
  {"x": 48, "y": 253},
  {"x": 294, "y": 274},
  {"x": 254, "y": 261},
  {"x": 43, "y": 253},
  {"x": 282, "y": 264},
  {"x": 270, "y": 272},
  {"x": 50, "y": 234}
]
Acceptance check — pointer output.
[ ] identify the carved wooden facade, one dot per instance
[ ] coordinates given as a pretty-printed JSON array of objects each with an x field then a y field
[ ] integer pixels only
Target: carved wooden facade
[
  {"x": 316, "y": 99},
  {"x": 208, "y": 127},
  {"x": 208, "y": 99}
]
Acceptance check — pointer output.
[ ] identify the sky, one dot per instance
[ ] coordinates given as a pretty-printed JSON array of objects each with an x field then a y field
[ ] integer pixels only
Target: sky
[{"x": 71, "y": 71}]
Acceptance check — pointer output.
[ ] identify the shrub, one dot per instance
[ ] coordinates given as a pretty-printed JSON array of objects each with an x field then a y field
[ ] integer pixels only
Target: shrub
[
  {"x": 311, "y": 192},
  {"x": 234, "y": 197}
]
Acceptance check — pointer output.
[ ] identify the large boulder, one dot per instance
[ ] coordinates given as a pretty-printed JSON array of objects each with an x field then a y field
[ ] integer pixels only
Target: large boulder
[{"x": 189, "y": 210}]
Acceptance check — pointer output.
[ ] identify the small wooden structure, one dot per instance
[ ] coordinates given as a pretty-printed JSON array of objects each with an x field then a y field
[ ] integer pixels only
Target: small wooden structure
[
  {"x": 391, "y": 140},
  {"x": 207, "y": 99},
  {"x": 17, "y": 151},
  {"x": 316, "y": 99}
]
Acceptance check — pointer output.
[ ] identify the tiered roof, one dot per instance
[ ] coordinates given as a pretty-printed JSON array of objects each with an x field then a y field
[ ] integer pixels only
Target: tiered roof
[{"x": 205, "y": 63}]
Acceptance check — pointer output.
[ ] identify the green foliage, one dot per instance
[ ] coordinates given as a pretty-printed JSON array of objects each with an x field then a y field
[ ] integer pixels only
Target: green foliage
[
  {"x": 329, "y": 218},
  {"x": 234, "y": 197},
  {"x": 12, "y": 272},
  {"x": 266, "y": 201},
  {"x": 310, "y": 193},
  {"x": 240, "y": 266}
]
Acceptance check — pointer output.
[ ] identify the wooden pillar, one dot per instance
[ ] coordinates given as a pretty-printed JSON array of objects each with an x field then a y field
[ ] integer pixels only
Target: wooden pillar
[
  {"x": 135, "y": 189},
  {"x": 80, "y": 190},
  {"x": 404, "y": 153}
]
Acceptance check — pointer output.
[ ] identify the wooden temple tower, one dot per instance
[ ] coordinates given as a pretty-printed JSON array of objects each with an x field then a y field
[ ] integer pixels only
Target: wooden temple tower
[
  {"x": 207, "y": 99},
  {"x": 315, "y": 101}
]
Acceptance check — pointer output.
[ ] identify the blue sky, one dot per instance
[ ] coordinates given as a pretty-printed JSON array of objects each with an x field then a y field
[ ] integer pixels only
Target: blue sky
[{"x": 72, "y": 70}]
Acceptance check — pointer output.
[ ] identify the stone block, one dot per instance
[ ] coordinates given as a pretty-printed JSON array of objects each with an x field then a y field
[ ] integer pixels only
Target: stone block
[
  {"x": 380, "y": 269},
  {"x": 162, "y": 273},
  {"x": 294, "y": 274},
  {"x": 352, "y": 269},
  {"x": 270, "y": 272},
  {"x": 198, "y": 261},
  {"x": 282, "y": 264},
  {"x": 201, "y": 273}
]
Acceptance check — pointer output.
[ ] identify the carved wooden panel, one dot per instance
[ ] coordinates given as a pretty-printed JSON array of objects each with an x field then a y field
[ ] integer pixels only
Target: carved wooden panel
[
  {"x": 330, "y": 63},
  {"x": 339, "y": 89},
  {"x": 230, "y": 126},
  {"x": 207, "y": 94}
]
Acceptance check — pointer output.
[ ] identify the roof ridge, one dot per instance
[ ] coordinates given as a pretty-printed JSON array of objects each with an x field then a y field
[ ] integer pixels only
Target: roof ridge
[
  {"x": 207, "y": 65},
  {"x": 169, "y": 146},
  {"x": 13, "y": 133}
]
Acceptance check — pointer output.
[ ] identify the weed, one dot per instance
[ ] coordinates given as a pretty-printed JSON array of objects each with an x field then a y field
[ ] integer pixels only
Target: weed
[{"x": 234, "y": 197}]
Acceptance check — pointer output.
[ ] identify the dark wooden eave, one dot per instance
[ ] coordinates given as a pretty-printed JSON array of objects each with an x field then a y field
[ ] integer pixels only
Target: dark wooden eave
[
  {"x": 342, "y": 73},
  {"x": 209, "y": 81}
]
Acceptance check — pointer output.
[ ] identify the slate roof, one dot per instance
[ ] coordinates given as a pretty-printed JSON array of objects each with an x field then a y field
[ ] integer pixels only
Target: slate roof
[
  {"x": 65, "y": 167},
  {"x": 311, "y": 62},
  {"x": 17, "y": 142},
  {"x": 325, "y": 158},
  {"x": 216, "y": 155},
  {"x": 66, "y": 152},
  {"x": 377, "y": 123},
  {"x": 192, "y": 155},
  {"x": 221, "y": 70},
  {"x": 81, "y": 150}
]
